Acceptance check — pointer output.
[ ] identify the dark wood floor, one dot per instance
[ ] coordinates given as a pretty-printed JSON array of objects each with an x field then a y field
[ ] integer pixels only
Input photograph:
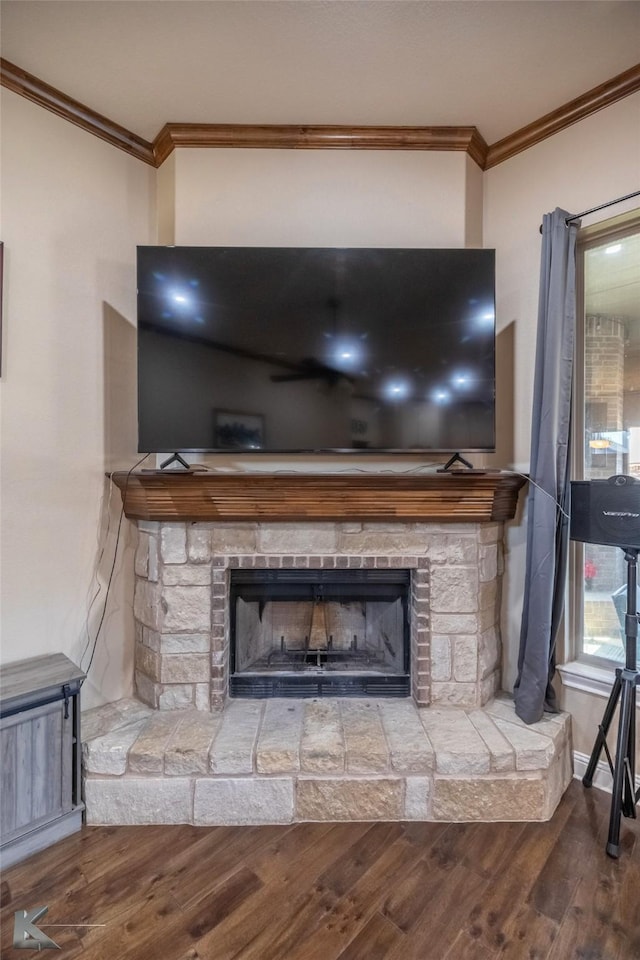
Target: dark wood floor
[{"x": 340, "y": 891}]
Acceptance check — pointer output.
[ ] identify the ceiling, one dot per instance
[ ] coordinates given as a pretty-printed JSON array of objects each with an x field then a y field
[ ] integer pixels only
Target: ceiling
[{"x": 494, "y": 65}]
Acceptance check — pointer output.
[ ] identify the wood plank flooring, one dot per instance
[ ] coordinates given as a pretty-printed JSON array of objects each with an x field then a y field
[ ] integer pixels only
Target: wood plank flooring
[{"x": 348, "y": 891}]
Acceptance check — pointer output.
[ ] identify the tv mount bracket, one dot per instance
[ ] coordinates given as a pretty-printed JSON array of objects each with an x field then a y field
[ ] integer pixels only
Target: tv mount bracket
[
  {"x": 456, "y": 458},
  {"x": 174, "y": 458}
]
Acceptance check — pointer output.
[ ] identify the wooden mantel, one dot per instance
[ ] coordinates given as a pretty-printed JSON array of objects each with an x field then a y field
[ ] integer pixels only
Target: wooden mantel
[{"x": 456, "y": 497}]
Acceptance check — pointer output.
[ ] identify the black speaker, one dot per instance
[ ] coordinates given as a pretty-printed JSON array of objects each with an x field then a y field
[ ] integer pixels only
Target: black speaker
[{"x": 606, "y": 511}]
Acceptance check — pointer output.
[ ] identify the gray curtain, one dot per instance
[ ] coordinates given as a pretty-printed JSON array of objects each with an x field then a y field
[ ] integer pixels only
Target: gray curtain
[{"x": 548, "y": 501}]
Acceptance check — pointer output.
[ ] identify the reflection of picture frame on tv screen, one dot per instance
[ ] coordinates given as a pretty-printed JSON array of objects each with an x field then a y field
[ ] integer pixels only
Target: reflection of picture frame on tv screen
[
  {"x": 236, "y": 431},
  {"x": 362, "y": 349}
]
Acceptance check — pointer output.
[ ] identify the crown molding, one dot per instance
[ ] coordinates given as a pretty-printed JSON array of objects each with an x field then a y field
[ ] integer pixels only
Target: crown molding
[
  {"x": 25, "y": 84},
  {"x": 620, "y": 86},
  {"x": 298, "y": 137},
  {"x": 303, "y": 137}
]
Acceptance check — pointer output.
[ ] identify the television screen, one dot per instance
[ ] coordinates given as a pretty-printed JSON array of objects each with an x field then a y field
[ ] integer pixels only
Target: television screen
[{"x": 315, "y": 349}]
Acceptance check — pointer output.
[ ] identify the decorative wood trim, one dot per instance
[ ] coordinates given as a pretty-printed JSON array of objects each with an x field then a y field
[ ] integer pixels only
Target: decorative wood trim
[
  {"x": 478, "y": 148},
  {"x": 290, "y": 137},
  {"x": 456, "y": 497},
  {"x": 172, "y": 135},
  {"x": 623, "y": 85},
  {"x": 25, "y": 84},
  {"x": 162, "y": 146}
]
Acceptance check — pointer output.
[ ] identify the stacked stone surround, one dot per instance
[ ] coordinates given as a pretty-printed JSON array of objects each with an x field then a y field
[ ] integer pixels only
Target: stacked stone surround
[
  {"x": 181, "y": 606},
  {"x": 284, "y": 761}
]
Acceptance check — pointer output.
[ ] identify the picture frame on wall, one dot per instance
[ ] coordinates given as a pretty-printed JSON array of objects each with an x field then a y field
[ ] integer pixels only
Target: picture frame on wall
[{"x": 234, "y": 430}]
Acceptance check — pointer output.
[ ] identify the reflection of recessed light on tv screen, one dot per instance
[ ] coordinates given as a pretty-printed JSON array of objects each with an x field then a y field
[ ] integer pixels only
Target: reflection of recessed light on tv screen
[{"x": 280, "y": 349}]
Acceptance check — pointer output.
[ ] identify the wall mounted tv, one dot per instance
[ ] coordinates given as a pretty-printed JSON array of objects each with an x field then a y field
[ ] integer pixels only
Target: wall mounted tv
[{"x": 272, "y": 349}]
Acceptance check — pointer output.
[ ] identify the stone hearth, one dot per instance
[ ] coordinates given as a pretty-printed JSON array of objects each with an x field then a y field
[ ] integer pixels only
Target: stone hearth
[{"x": 283, "y": 761}]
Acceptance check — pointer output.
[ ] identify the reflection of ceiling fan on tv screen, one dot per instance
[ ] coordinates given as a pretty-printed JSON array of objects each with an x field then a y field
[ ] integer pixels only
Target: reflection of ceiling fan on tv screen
[{"x": 312, "y": 369}]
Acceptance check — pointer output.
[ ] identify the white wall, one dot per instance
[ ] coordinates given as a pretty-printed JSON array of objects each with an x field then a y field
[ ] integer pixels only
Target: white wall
[
  {"x": 320, "y": 197},
  {"x": 73, "y": 209},
  {"x": 589, "y": 163}
]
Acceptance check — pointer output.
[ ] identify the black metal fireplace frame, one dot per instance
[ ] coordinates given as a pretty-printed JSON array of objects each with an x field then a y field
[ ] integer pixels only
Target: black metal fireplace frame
[{"x": 289, "y": 584}]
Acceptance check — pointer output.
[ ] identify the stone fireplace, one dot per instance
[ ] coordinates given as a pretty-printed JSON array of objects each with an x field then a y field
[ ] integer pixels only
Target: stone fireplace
[
  {"x": 189, "y": 749},
  {"x": 184, "y": 576}
]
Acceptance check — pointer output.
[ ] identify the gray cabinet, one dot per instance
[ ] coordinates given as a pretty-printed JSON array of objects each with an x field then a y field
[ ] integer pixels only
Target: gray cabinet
[{"x": 40, "y": 787}]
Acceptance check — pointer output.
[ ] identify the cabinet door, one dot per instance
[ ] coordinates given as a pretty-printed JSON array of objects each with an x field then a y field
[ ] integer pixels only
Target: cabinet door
[{"x": 36, "y": 762}]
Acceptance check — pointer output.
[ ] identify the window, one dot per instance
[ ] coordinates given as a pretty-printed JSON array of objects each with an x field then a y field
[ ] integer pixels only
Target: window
[{"x": 607, "y": 422}]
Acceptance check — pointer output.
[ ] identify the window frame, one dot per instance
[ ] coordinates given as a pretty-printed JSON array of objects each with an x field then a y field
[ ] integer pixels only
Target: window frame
[{"x": 589, "y": 671}]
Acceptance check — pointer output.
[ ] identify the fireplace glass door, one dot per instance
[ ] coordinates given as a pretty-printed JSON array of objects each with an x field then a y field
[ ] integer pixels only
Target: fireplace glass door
[{"x": 319, "y": 633}]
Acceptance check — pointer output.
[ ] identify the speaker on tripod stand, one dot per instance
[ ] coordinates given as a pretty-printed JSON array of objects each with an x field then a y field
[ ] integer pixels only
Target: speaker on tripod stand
[{"x": 608, "y": 512}]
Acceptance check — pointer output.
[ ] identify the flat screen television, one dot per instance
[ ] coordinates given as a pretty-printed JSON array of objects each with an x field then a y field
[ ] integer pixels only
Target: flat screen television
[{"x": 272, "y": 349}]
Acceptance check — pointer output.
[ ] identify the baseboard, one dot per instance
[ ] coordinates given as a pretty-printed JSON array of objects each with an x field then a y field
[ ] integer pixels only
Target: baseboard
[{"x": 602, "y": 779}]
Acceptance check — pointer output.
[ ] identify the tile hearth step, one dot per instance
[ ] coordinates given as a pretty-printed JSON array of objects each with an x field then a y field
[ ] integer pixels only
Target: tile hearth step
[{"x": 283, "y": 761}]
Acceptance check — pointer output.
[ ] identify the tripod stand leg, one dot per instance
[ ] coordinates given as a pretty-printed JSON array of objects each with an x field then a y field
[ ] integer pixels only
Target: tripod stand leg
[
  {"x": 630, "y": 797},
  {"x": 624, "y": 797},
  {"x": 621, "y": 766},
  {"x": 603, "y": 729}
]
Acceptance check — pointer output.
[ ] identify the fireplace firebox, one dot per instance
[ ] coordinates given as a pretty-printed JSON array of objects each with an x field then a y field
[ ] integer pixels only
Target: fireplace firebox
[{"x": 310, "y": 633}]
